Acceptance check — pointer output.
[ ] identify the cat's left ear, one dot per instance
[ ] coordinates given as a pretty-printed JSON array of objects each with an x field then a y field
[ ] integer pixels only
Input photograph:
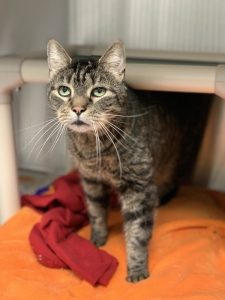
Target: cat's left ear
[
  {"x": 57, "y": 57},
  {"x": 114, "y": 60}
]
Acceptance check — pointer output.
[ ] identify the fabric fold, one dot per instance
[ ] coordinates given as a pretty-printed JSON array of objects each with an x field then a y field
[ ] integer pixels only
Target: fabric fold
[{"x": 54, "y": 240}]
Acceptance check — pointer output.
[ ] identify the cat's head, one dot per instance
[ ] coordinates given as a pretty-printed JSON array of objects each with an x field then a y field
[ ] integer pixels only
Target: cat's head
[{"x": 86, "y": 94}]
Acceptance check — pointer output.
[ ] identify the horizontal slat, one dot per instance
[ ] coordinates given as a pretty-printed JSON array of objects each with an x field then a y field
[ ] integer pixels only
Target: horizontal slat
[{"x": 149, "y": 76}]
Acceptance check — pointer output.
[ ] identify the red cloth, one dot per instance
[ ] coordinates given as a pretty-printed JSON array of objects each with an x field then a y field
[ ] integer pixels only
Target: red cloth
[{"x": 53, "y": 239}]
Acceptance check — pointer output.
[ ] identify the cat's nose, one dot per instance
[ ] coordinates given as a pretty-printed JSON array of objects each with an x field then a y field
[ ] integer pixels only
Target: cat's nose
[{"x": 78, "y": 109}]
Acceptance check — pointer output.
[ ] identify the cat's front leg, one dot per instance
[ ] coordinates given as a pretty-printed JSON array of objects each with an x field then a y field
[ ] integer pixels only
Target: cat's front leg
[
  {"x": 138, "y": 203},
  {"x": 97, "y": 207}
]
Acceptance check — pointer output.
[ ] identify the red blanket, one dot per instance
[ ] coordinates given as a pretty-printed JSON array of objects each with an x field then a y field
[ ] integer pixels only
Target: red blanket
[{"x": 54, "y": 240}]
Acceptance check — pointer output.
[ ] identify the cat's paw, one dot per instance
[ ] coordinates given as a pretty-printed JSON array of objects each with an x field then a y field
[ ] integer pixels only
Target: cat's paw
[
  {"x": 98, "y": 240},
  {"x": 135, "y": 276}
]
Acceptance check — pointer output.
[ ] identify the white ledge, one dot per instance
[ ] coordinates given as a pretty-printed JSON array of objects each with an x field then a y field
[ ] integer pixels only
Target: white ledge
[{"x": 150, "y": 76}]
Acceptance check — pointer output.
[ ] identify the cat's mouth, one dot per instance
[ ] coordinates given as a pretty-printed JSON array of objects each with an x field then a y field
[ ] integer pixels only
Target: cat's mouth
[
  {"x": 79, "y": 123},
  {"x": 79, "y": 126}
]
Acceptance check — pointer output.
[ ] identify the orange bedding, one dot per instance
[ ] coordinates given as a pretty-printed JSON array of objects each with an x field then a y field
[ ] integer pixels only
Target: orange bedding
[{"x": 187, "y": 259}]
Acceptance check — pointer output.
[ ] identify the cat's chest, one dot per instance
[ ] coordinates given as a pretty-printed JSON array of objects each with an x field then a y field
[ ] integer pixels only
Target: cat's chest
[{"x": 105, "y": 168}]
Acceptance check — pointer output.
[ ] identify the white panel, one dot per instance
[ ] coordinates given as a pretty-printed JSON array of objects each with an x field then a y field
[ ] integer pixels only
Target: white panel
[
  {"x": 179, "y": 25},
  {"x": 95, "y": 21},
  {"x": 26, "y": 26},
  {"x": 30, "y": 109},
  {"x": 217, "y": 175}
]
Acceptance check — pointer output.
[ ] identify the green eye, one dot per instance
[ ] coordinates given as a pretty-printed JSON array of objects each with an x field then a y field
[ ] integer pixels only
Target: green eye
[
  {"x": 98, "y": 92},
  {"x": 64, "y": 91}
]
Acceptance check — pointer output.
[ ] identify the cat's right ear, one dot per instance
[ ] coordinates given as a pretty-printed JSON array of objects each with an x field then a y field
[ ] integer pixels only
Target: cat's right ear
[
  {"x": 114, "y": 60},
  {"x": 57, "y": 57}
]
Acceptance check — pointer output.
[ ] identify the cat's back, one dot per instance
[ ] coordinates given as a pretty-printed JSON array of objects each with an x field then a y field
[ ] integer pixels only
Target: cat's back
[
  {"x": 171, "y": 125},
  {"x": 186, "y": 111}
]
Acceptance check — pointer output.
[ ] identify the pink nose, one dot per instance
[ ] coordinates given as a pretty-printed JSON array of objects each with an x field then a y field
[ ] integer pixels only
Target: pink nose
[{"x": 78, "y": 109}]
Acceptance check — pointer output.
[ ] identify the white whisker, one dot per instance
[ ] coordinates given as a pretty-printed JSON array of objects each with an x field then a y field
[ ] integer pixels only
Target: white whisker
[
  {"x": 39, "y": 131},
  {"x": 107, "y": 132},
  {"x": 120, "y": 131},
  {"x": 36, "y": 125},
  {"x": 43, "y": 145},
  {"x": 99, "y": 148},
  {"x": 59, "y": 134},
  {"x": 118, "y": 140},
  {"x": 96, "y": 142},
  {"x": 127, "y": 116}
]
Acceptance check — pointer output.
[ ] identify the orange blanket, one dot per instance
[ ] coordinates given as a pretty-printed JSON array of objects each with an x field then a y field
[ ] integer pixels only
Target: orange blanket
[{"x": 187, "y": 259}]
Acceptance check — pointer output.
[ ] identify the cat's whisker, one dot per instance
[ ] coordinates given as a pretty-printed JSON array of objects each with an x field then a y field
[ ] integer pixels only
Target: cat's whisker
[
  {"x": 40, "y": 137},
  {"x": 51, "y": 134},
  {"x": 128, "y": 116},
  {"x": 37, "y": 125},
  {"x": 99, "y": 150},
  {"x": 107, "y": 132},
  {"x": 118, "y": 139},
  {"x": 105, "y": 114},
  {"x": 59, "y": 134},
  {"x": 96, "y": 143},
  {"x": 54, "y": 121},
  {"x": 120, "y": 131},
  {"x": 99, "y": 146}
]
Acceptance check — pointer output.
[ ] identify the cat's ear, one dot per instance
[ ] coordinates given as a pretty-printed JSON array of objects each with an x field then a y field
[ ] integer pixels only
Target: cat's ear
[
  {"x": 57, "y": 57},
  {"x": 114, "y": 60}
]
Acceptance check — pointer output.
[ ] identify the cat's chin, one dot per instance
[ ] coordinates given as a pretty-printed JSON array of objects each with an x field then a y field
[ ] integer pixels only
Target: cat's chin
[{"x": 80, "y": 128}]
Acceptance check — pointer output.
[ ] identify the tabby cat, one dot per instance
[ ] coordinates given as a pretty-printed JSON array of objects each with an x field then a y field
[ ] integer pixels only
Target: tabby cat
[{"x": 131, "y": 141}]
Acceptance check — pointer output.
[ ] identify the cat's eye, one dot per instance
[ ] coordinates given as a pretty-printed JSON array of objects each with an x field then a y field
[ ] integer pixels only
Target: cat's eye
[
  {"x": 64, "y": 91},
  {"x": 98, "y": 92}
]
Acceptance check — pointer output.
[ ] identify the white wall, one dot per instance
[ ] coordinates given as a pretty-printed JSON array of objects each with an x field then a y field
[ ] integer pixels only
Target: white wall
[
  {"x": 210, "y": 170},
  {"x": 179, "y": 25},
  {"x": 26, "y": 26}
]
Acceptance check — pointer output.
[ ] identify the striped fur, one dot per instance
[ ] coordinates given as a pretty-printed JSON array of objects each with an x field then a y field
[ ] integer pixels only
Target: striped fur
[{"x": 129, "y": 141}]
